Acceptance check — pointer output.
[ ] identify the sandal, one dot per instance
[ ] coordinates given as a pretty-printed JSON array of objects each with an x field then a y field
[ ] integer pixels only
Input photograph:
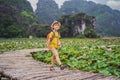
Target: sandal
[
  {"x": 62, "y": 67},
  {"x": 52, "y": 68}
]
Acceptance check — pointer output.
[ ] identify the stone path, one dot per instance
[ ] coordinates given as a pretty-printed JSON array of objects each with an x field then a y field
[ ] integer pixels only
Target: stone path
[{"x": 16, "y": 65}]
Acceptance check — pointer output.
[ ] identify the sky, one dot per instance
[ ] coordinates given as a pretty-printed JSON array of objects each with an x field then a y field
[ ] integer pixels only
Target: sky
[{"x": 114, "y": 4}]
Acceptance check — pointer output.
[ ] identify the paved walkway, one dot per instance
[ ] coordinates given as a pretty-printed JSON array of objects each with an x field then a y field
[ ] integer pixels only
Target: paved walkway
[{"x": 18, "y": 66}]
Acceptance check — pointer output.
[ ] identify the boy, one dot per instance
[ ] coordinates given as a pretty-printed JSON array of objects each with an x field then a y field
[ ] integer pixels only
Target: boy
[{"x": 53, "y": 44}]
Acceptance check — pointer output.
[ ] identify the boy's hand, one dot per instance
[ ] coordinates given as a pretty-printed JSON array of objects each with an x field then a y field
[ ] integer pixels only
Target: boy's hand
[
  {"x": 48, "y": 50},
  {"x": 59, "y": 45}
]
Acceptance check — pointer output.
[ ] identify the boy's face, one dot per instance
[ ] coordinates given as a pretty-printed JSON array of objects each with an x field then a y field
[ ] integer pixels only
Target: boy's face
[{"x": 56, "y": 26}]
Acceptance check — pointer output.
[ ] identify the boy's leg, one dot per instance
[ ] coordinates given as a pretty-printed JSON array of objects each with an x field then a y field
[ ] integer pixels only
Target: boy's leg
[
  {"x": 53, "y": 60},
  {"x": 55, "y": 53},
  {"x": 52, "y": 63}
]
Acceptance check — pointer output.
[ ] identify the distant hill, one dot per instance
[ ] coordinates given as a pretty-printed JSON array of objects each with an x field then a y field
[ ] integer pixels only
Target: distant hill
[
  {"x": 47, "y": 11},
  {"x": 108, "y": 20},
  {"x": 16, "y": 18},
  {"x": 78, "y": 25}
]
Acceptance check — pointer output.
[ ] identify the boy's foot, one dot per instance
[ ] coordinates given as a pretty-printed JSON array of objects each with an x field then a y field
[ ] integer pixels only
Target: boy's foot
[
  {"x": 62, "y": 67},
  {"x": 52, "y": 68}
]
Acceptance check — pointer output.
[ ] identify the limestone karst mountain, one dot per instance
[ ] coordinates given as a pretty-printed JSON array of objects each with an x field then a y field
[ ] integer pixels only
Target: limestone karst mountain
[{"x": 107, "y": 20}]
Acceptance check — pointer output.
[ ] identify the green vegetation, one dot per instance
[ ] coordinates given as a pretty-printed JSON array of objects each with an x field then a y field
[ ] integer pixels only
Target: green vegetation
[
  {"x": 90, "y": 33},
  {"x": 84, "y": 54},
  {"x": 28, "y": 14},
  {"x": 72, "y": 26},
  {"x": 88, "y": 55},
  {"x": 16, "y": 19},
  {"x": 21, "y": 43}
]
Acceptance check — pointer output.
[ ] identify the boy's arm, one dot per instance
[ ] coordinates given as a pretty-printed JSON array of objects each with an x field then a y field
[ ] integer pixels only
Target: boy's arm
[
  {"x": 59, "y": 43},
  {"x": 48, "y": 43}
]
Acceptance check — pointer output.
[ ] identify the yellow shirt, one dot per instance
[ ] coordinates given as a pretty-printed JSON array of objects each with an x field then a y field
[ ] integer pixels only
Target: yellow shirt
[{"x": 55, "y": 40}]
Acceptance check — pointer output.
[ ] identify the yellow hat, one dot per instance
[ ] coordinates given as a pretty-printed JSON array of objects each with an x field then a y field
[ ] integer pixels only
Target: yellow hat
[{"x": 55, "y": 22}]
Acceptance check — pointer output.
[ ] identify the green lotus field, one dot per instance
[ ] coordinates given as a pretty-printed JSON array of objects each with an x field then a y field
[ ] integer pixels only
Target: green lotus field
[{"x": 95, "y": 55}]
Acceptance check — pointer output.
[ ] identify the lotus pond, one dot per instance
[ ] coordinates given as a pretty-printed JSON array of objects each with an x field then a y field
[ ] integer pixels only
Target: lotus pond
[{"x": 95, "y": 55}]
